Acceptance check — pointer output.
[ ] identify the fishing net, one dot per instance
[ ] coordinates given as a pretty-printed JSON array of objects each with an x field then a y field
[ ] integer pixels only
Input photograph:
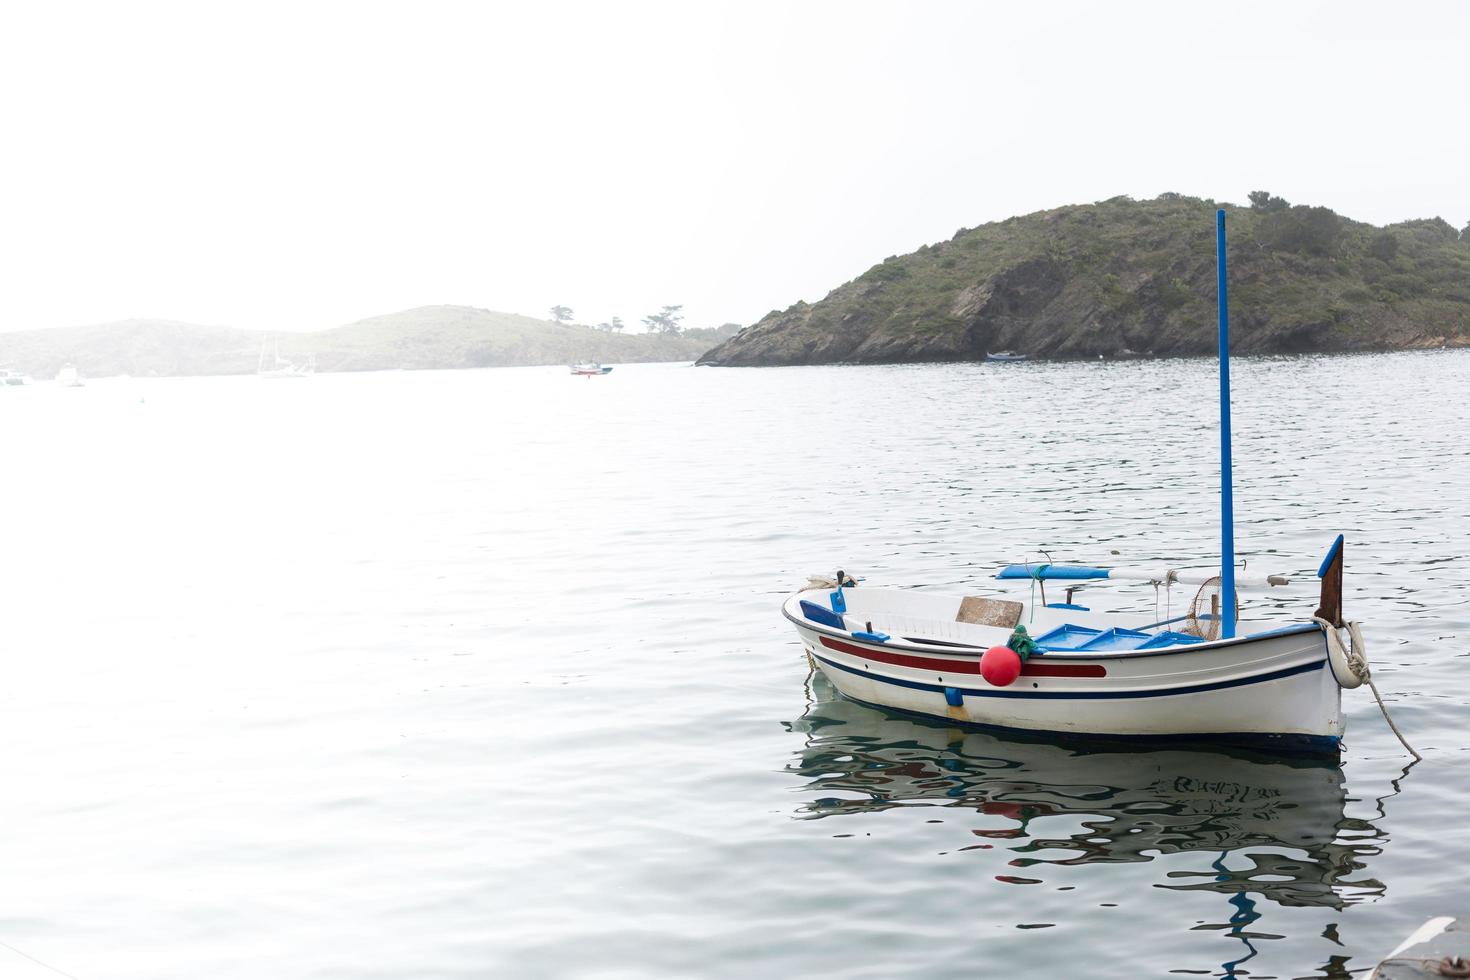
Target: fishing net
[{"x": 1203, "y": 620}]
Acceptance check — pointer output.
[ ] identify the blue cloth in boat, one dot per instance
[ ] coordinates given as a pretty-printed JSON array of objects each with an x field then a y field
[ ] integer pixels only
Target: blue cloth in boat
[{"x": 822, "y": 615}]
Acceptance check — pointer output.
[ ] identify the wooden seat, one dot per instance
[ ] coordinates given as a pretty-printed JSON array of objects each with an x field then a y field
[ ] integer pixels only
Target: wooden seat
[{"x": 1002, "y": 613}]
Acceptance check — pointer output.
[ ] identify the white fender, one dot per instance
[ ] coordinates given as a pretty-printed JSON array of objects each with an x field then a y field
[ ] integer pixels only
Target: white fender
[{"x": 1349, "y": 665}]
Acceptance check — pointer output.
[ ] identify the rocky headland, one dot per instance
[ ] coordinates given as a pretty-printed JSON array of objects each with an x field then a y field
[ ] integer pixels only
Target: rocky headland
[{"x": 1125, "y": 277}]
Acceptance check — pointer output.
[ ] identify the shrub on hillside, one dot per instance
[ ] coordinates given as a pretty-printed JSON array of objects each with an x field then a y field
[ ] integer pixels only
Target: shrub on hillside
[
  {"x": 1431, "y": 230},
  {"x": 1404, "y": 285},
  {"x": 1384, "y": 245},
  {"x": 1307, "y": 231},
  {"x": 891, "y": 270},
  {"x": 1174, "y": 293}
]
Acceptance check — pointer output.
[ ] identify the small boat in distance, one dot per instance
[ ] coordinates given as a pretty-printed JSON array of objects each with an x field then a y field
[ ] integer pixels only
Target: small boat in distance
[
  {"x": 589, "y": 369},
  {"x": 11, "y": 377},
  {"x": 283, "y": 368},
  {"x": 69, "y": 377},
  {"x": 1005, "y": 356}
]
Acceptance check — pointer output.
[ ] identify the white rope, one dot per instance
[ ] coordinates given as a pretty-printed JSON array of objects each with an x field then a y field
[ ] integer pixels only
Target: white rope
[
  {"x": 1354, "y": 659},
  {"x": 28, "y": 956}
]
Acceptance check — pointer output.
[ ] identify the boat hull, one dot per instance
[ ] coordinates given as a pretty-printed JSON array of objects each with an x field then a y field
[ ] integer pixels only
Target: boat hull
[{"x": 1273, "y": 689}]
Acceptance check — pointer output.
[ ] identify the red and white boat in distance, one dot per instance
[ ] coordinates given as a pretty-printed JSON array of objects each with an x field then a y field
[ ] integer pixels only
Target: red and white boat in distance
[{"x": 589, "y": 370}]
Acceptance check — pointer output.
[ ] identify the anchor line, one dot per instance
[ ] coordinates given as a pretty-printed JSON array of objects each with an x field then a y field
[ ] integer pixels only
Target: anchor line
[
  {"x": 53, "y": 969},
  {"x": 1356, "y": 658}
]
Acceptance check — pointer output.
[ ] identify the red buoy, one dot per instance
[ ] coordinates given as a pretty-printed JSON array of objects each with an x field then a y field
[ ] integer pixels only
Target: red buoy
[{"x": 1000, "y": 666}]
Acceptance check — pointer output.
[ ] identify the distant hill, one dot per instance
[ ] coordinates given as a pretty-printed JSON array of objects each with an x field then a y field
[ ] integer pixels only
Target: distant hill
[
  {"x": 426, "y": 337},
  {"x": 138, "y": 347},
  {"x": 1136, "y": 276},
  {"x": 464, "y": 336}
]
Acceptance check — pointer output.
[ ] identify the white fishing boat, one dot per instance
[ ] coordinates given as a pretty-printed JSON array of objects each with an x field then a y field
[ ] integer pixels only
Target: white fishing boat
[
  {"x": 1005, "y": 356},
  {"x": 1090, "y": 673},
  {"x": 1059, "y": 667},
  {"x": 589, "y": 369},
  {"x": 69, "y": 377}
]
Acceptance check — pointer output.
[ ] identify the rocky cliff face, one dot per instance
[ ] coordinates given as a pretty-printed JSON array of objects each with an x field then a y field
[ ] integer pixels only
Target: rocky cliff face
[{"x": 1127, "y": 276}]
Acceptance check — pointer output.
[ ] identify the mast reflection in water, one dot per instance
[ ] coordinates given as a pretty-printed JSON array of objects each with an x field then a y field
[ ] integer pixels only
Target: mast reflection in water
[{"x": 1264, "y": 827}]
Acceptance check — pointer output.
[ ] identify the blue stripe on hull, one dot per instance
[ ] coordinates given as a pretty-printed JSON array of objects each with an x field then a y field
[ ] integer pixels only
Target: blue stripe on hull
[
  {"x": 1083, "y": 695},
  {"x": 1318, "y": 745}
]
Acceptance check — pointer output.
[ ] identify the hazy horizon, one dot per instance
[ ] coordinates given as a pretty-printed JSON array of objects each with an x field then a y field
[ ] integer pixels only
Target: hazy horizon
[
  {"x": 628, "y": 328},
  {"x": 285, "y": 168}
]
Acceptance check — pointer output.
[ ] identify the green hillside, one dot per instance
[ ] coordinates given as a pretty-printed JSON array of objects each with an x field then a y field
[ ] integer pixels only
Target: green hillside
[
  {"x": 1125, "y": 276},
  {"x": 464, "y": 336},
  {"x": 137, "y": 347}
]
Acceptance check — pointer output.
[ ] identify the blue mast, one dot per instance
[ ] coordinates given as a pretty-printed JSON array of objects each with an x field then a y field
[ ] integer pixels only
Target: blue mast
[{"x": 1227, "y": 505}]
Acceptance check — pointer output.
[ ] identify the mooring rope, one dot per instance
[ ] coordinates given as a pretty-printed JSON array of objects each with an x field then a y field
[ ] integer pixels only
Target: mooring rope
[
  {"x": 1356, "y": 659},
  {"x": 53, "y": 969}
]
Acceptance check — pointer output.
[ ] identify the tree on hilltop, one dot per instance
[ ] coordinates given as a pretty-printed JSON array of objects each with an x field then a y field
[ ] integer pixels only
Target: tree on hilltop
[
  {"x": 1263, "y": 201},
  {"x": 561, "y": 314},
  {"x": 667, "y": 321},
  {"x": 1307, "y": 231}
]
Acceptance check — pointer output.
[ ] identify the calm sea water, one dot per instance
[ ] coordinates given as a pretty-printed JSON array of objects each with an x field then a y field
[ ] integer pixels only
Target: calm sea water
[{"x": 481, "y": 674}]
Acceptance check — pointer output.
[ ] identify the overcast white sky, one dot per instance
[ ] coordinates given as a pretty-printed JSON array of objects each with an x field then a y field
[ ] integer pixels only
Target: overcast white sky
[{"x": 301, "y": 165}]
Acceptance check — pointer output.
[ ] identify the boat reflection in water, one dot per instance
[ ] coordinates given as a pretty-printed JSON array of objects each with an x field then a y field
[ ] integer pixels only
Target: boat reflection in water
[{"x": 1285, "y": 817}]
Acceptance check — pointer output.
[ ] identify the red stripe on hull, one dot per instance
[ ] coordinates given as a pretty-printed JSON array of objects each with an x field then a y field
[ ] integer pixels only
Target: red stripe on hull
[
  {"x": 1032, "y": 669},
  {"x": 903, "y": 659}
]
